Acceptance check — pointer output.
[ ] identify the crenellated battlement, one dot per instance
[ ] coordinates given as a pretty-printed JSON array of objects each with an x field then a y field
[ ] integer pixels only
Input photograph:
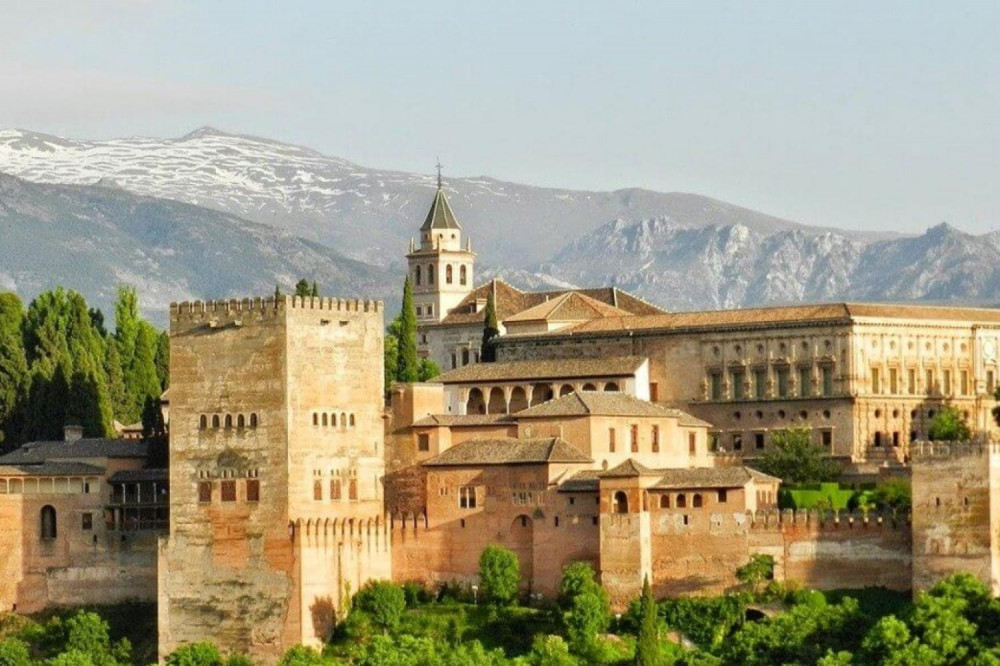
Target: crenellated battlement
[
  {"x": 927, "y": 451},
  {"x": 788, "y": 519},
  {"x": 338, "y": 527},
  {"x": 187, "y": 311}
]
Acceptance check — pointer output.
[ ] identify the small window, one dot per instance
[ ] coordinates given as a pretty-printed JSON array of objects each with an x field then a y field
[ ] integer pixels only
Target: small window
[
  {"x": 325, "y": 420},
  {"x": 215, "y": 420},
  {"x": 315, "y": 419},
  {"x": 656, "y": 439},
  {"x": 467, "y": 497},
  {"x": 664, "y": 501},
  {"x": 696, "y": 501},
  {"x": 205, "y": 492},
  {"x": 635, "y": 438},
  {"x": 737, "y": 442},
  {"x": 619, "y": 503},
  {"x": 352, "y": 420},
  {"x": 253, "y": 490},
  {"x": 682, "y": 501},
  {"x": 447, "y": 274},
  {"x": 87, "y": 521},
  {"x": 317, "y": 491},
  {"x": 423, "y": 442},
  {"x": 352, "y": 489},
  {"x": 430, "y": 274},
  {"x": 203, "y": 422},
  {"x": 461, "y": 275},
  {"x": 416, "y": 276},
  {"x": 692, "y": 443},
  {"x": 721, "y": 497},
  {"x": 48, "y": 523},
  {"x": 253, "y": 420},
  {"x": 228, "y": 491},
  {"x": 343, "y": 420},
  {"x": 878, "y": 439},
  {"x": 611, "y": 440},
  {"x": 827, "y": 436},
  {"x": 333, "y": 420},
  {"x": 229, "y": 420},
  {"x": 758, "y": 440},
  {"x": 557, "y": 521},
  {"x": 420, "y": 311},
  {"x": 335, "y": 489},
  {"x": 241, "y": 421}
]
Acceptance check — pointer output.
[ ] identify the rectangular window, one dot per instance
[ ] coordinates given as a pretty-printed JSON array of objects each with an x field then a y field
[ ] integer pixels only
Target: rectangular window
[
  {"x": 722, "y": 497},
  {"x": 87, "y": 522},
  {"x": 205, "y": 492},
  {"x": 782, "y": 382},
  {"x": 805, "y": 382},
  {"x": 611, "y": 440},
  {"x": 911, "y": 381},
  {"x": 317, "y": 490},
  {"x": 929, "y": 382},
  {"x": 454, "y": 361},
  {"x": 228, "y": 491},
  {"x": 352, "y": 489},
  {"x": 715, "y": 379},
  {"x": 737, "y": 442},
  {"x": 827, "y": 436},
  {"x": 827, "y": 380},
  {"x": 423, "y": 442},
  {"x": 692, "y": 444},
  {"x": 253, "y": 490},
  {"x": 656, "y": 439},
  {"x": 876, "y": 382},
  {"x": 760, "y": 383},
  {"x": 878, "y": 439},
  {"x": 947, "y": 382},
  {"x": 335, "y": 489},
  {"x": 895, "y": 440},
  {"x": 758, "y": 440},
  {"x": 713, "y": 441},
  {"x": 654, "y": 392},
  {"x": 990, "y": 382},
  {"x": 963, "y": 382},
  {"x": 737, "y": 378},
  {"x": 893, "y": 381},
  {"x": 467, "y": 497},
  {"x": 635, "y": 438}
]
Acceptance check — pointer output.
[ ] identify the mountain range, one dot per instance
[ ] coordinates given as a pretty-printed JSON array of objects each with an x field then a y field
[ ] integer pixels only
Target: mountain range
[{"x": 214, "y": 214}]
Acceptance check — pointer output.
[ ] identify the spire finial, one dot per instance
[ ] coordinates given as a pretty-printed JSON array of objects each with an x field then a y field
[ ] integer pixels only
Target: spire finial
[{"x": 439, "y": 172}]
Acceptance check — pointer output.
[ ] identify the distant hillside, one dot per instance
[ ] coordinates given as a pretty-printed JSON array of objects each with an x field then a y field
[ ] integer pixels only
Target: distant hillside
[{"x": 92, "y": 238}]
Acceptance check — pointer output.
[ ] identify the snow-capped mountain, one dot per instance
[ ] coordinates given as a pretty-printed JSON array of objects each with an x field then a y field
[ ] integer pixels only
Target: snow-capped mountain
[
  {"x": 729, "y": 266},
  {"x": 91, "y": 239},
  {"x": 367, "y": 214}
]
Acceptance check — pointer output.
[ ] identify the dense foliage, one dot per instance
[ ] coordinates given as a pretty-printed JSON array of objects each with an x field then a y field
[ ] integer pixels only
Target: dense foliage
[
  {"x": 491, "y": 329},
  {"x": 500, "y": 574},
  {"x": 793, "y": 458},
  {"x": 60, "y": 365},
  {"x": 949, "y": 425},
  {"x": 401, "y": 362}
]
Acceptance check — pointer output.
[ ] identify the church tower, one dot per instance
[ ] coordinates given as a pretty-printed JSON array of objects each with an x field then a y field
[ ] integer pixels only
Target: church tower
[{"x": 440, "y": 269}]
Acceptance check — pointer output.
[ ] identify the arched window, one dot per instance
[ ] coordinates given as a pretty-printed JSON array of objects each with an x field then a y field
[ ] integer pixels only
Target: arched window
[
  {"x": 253, "y": 420},
  {"x": 611, "y": 386},
  {"x": 682, "y": 501},
  {"x": 315, "y": 418},
  {"x": 619, "y": 503},
  {"x": 215, "y": 420},
  {"x": 229, "y": 420},
  {"x": 416, "y": 276},
  {"x": 461, "y": 275},
  {"x": 343, "y": 420},
  {"x": 430, "y": 273},
  {"x": 696, "y": 501},
  {"x": 333, "y": 419},
  {"x": 325, "y": 420},
  {"x": 241, "y": 421},
  {"x": 352, "y": 420},
  {"x": 48, "y": 522},
  {"x": 447, "y": 274},
  {"x": 203, "y": 422},
  {"x": 664, "y": 501}
]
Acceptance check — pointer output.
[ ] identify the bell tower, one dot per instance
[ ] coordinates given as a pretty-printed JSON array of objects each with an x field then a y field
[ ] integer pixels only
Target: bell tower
[{"x": 440, "y": 269}]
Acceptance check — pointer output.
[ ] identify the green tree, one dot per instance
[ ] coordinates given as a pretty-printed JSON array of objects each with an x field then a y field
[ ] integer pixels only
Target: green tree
[
  {"x": 116, "y": 382},
  {"x": 408, "y": 365},
  {"x": 302, "y": 288},
  {"x": 793, "y": 458},
  {"x": 756, "y": 571},
  {"x": 428, "y": 370},
  {"x": 13, "y": 367},
  {"x": 277, "y": 292},
  {"x": 948, "y": 425},
  {"x": 161, "y": 359},
  {"x": 314, "y": 291},
  {"x": 500, "y": 575},
  {"x": 195, "y": 654},
  {"x": 126, "y": 327},
  {"x": 301, "y": 655},
  {"x": 141, "y": 379},
  {"x": 578, "y": 578},
  {"x": 391, "y": 351},
  {"x": 383, "y": 601},
  {"x": 549, "y": 651},
  {"x": 491, "y": 329},
  {"x": 14, "y": 652},
  {"x": 647, "y": 647},
  {"x": 585, "y": 620}
]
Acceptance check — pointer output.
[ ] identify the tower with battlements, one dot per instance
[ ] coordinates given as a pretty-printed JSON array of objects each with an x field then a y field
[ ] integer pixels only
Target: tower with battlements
[{"x": 276, "y": 465}]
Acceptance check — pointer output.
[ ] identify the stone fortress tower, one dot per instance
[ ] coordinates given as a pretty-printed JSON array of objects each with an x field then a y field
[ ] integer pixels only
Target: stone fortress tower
[
  {"x": 440, "y": 271},
  {"x": 276, "y": 465}
]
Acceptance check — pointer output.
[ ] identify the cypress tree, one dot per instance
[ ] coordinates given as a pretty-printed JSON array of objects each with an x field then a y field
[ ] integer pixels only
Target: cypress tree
[
  {"x": 488, "y": 352},
  {"x": 141, "y": 378},
  {"x": 647, "y": 648},
  {"x": 13, "y": 367},
  {"x": 277, "y": 292},
  {"x": 302, "y": 288},
  {"x": 408, "y": 365},
  {"x": 314, "y": 292},
  {"x": 391, "y": 352},
  {"x": 116, "y": 382},
  {"x": 162, "y": 360},
  {"x": 126, "y": 327}
]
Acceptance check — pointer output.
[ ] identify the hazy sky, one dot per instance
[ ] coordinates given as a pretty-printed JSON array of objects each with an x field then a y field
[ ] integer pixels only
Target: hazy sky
[{"x": 878, "y": 115}]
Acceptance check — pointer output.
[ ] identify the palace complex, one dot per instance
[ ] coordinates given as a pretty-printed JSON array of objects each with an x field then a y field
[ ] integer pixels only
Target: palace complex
[{"x": 607, "y": 431}]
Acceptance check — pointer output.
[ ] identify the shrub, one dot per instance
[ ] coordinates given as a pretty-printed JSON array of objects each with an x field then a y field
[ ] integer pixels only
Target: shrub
[
  {"x": 14, "y": 652},
  {"x": 793, "y": 458},
  {"x": 577, "y": 578},
  {"x": 300, "y": 655},
  {"x": 500, "y": 575},
  {"x": 238, "y": 660},
  {"x": 949, "y": 425},
  {"x": 415, "y": 594},
  {"x": 384, "y": 602},
  {"x": 757, "y": 570},
  {"x": 549, "y": 651},
  {"x": 195, "y": 654}
]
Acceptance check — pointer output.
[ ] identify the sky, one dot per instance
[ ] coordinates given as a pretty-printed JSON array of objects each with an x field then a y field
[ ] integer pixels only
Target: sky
[{"x": 862, "y": 115}]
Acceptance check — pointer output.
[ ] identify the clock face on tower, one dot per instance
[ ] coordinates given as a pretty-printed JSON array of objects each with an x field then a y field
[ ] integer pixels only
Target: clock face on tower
[{"x": 989, "y": 349}]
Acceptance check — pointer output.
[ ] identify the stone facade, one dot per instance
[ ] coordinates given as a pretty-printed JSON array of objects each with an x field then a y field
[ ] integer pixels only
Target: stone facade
[{"x": 275, "y": 472}]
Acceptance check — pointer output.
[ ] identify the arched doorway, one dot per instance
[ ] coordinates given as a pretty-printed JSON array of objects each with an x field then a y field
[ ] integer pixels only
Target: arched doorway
[
  {"x": 619, "y": 503},
  {"x": 518, "y": 400},
  {"x": 475, "y": 403},
  {"x": 497, "y": 404},
  {"x": 521, "y": 540}
]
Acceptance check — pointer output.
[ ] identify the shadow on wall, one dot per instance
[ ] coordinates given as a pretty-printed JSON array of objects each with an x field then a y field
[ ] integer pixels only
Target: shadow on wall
[{"x": 323, "y": 618}]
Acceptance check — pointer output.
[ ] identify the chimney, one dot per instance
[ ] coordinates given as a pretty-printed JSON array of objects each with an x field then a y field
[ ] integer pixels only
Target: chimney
[{"x": 71, "y": 433}]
